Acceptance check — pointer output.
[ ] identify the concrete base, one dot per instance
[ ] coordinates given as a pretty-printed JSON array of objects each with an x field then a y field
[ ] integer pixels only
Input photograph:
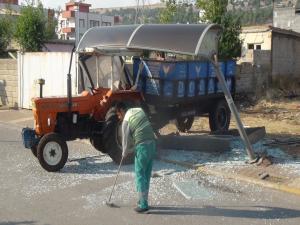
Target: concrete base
[
  {"x": 215, "y": 142},
  {"x": 255, "y": 134}
]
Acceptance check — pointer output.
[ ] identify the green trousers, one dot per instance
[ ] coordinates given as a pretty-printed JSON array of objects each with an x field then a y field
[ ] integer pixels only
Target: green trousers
[{"x": 144, "y": 155}]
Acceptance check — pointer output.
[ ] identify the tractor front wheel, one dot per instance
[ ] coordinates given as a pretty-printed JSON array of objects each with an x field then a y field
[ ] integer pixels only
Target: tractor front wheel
[
  {"x": 52, "y": 152},
  {"x": 34, "y": 150}
]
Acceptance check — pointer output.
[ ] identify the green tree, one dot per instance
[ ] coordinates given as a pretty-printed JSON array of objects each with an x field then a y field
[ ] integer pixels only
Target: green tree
[
  {"x": 230, "y": 44},
  {"x": 167, "y": 14},
  {"x": 6, "y": 33},
  {"x": 216, "y": 12},
  {"x": 31, "y": 27},
  {"x": 178, "y": 12},
  {"x": 50, "y": 29}
]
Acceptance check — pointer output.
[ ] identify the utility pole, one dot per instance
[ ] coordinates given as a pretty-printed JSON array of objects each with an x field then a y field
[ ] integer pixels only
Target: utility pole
[
  {"x": 139, "y": 12},
  {"x": 273, "y": 15}
]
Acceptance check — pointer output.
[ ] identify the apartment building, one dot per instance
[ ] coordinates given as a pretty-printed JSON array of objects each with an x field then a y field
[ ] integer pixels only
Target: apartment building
[
  {"x": 76, "y": 19},
  {"x": 9, "y": 7}
]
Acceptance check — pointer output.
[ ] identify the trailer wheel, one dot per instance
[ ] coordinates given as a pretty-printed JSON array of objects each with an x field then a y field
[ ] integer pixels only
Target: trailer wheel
[
  {"x": 219, "y": 117},
  {"x": 52, "y": 152},
  {"x": 112, "y": 138},
  {"x": 184, "y": 124}
]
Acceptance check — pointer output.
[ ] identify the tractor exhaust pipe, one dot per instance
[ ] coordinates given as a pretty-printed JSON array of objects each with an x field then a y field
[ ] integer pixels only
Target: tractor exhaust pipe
[
  {"x": 69, "y": 83},
  {"x": 41, "y": 82}
]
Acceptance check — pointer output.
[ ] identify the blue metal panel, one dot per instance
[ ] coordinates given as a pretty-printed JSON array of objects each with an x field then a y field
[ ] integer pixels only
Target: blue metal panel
[
  {"x": 230, "y": 68},
  {"x": 173, "y": 70},
  {"x": 182, "y": 79},
  {"x": 202, "y": 90},
  {"x": 197, "y": 70},
  {"x": 211, "y": 87},
  {"x": 212, "y": 71}
]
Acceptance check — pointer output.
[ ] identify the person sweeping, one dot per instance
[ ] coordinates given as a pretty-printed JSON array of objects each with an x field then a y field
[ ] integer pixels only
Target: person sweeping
[{"x": 138, "y": 137}]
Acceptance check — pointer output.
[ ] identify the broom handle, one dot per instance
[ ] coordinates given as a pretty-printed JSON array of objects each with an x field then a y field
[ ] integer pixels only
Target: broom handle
[{"x": 116, "y": 179}]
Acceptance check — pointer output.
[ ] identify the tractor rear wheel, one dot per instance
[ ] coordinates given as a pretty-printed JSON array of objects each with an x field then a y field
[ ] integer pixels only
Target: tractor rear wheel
[
  {"x": 97, "y": 143},
  {"x": 219, "y": 117},
  {"x": 52, "y": 152},
  {"x": 112, "y": 138}
]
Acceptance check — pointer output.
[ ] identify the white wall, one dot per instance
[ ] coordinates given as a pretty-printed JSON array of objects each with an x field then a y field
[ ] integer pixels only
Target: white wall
[{"x": 51, "y": 66}]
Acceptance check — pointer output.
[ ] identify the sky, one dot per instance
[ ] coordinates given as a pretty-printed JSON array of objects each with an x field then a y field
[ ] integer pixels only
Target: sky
[{"x": 95, "y": 3}]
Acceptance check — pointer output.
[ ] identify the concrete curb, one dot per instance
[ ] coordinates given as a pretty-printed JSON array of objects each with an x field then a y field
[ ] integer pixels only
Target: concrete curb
[{"x": 263, "y": 183}]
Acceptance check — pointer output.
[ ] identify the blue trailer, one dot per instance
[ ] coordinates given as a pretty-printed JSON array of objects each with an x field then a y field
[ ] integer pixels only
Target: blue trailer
[{"x": 180, "y": 90}]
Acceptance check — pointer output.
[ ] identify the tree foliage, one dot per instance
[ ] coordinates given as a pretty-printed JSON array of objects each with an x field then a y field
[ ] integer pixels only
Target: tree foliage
[
  {"x": 50, "y": 29},
  {"x": 178, "y": 12},
  {"x": 31, "y": 28},
  {"x": 6, "y": 33},
  {"x": 254, "y": 17},
  {"x": 215, "y": 11}
]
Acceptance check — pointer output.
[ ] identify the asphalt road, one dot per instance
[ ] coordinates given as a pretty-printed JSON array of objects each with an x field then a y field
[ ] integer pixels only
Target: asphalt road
[{"x": 30, "y": 195}]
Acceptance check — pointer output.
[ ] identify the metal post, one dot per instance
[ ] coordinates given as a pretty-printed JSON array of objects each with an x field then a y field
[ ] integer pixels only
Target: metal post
[
  {"x": 97, "y": 65},
  {"x": 234, "y": 110},
  {"x": 112, "y": 73}
]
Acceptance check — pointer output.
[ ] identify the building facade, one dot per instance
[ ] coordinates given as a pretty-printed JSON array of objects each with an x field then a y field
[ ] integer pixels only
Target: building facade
[
  {"x": 13, "y": 2},
  {"x": 77, "y": 19},
  {"x": 9, "y": 7},
  {"x": 273, "y": 51},
  {"x": 287, "y": 15},
  {"x": 255, "y": 39}
]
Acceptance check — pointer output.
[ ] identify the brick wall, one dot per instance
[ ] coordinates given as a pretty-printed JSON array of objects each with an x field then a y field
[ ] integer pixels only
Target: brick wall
[
  {"x": 251, "y": 79},
  {"x": 8, "y": 83}
]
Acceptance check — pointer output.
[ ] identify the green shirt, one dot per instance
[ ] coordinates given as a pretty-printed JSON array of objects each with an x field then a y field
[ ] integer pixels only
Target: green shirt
[{"x": 136, "y": 129}]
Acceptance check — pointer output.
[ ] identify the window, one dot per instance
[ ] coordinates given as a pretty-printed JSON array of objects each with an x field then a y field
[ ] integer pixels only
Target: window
[
  {"x": 94, "y": 23},
  {"x": 81, "y": 23},
  {"x": 250, "y": 46},
  {"x": 258, "y": 47},
  {"x": 106, "y": 24},
  {"x": 62, "y": 23}
]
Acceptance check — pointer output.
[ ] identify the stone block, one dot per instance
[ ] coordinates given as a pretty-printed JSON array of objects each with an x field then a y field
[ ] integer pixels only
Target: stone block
[
  {"x": 3, "y": 72},
  {"x": 194, "y": 143},
  {"x": 12, "y": 66},
  {"x": 15, "y": 94},
  {"x": 11, "y": 88}
]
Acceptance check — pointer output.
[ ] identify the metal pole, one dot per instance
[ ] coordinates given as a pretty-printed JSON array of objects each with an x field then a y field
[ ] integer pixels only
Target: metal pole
[
  {"x": 112, "y": 73},
  {"x": 234, "y": 110},
  {"x": 97, "y": 65}
]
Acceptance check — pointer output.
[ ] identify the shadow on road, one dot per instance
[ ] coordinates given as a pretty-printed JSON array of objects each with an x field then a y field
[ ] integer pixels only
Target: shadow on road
[
  {"x": 7, "y": 141},
  {"x": 258, "y": 212},
  {"x": 93, "y": 165},
  {"x": 18, "y": 223}
]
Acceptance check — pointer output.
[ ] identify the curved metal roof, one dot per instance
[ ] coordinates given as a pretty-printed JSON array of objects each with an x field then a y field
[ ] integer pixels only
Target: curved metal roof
[
  {"x": 190, "y": 39},
  {"x": 297, "y": 7}
]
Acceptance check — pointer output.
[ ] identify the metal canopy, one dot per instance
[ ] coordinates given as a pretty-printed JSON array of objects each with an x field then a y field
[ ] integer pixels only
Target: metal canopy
[
  {"x": 190, "y": 39},
  {"x": 297, "y": 7}
]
